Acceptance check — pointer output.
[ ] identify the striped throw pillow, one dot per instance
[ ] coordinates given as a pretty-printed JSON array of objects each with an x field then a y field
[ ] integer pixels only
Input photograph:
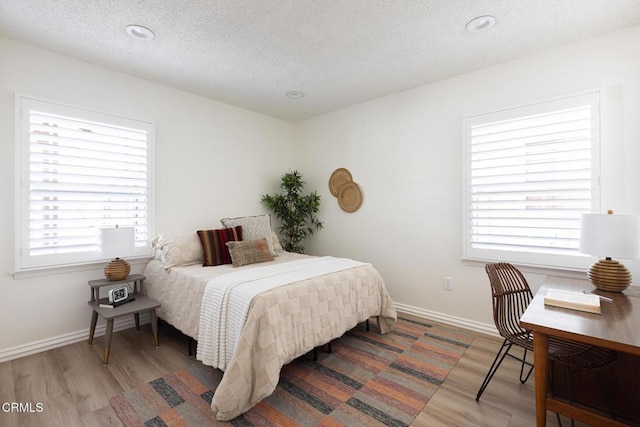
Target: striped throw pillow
[{"x": 214, "y": 244}]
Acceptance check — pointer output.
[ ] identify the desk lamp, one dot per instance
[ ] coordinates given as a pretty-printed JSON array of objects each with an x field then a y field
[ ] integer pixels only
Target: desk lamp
[
  {"x": 610, "y": 236},
  {"x": 114, "y": 243}
]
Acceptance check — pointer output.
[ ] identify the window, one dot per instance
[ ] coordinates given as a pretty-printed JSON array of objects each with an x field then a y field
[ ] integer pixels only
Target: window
[
  {"x": 530, "y": 174},
  {"x": 78, "y": 171}
]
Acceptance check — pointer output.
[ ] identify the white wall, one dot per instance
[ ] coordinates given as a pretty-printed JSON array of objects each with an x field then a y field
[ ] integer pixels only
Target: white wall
[
  {"x": 405, "y": 151},
  {"x": 212, "y": 160}
]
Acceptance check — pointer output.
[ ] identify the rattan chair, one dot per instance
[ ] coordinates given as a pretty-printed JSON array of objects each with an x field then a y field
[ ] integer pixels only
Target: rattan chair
[{"x": 511, "y": 296}]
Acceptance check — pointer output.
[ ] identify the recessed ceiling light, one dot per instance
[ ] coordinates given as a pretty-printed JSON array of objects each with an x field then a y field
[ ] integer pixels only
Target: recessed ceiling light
[
  {"x": 295, "y": 94},
  {"x": 140, "y": 32},
  {"x": 481, "y": 23}
]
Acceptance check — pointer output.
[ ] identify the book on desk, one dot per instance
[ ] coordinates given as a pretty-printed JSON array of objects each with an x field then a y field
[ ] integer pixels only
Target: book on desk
[
  {"x": 104, "y": 302},
  {"x": 580, "y": 301}
]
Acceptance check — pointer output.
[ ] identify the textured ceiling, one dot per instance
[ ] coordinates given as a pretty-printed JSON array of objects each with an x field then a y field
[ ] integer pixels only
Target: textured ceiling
[{"x": 249, "y": 53}]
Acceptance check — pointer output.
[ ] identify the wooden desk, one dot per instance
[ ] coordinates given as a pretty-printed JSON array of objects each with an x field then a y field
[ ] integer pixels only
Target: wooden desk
[{"x": 616, "y": 328}]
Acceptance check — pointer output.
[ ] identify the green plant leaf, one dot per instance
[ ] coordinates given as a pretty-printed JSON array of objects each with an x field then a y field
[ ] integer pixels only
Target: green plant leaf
[{"x": 295, "y": 211}]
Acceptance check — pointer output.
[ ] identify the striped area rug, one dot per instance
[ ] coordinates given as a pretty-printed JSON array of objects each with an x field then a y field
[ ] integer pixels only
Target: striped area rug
[{"x": 369, "y": 379}]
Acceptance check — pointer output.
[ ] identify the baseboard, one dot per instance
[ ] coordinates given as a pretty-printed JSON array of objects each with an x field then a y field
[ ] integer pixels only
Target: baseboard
[
  {"x": 128, "y": 322},
  {"x": 460, "y": 322},
  {"x": 66, "y": 339}
]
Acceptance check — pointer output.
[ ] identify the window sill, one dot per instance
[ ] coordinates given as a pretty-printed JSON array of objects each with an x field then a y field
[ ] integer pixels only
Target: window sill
[
  {"x": 66, "y": 269},
  {"x": 573, "y": 273}
]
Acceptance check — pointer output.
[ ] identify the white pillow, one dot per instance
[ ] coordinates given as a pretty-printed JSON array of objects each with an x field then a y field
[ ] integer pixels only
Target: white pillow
[
  {"x": 253, "y": 228},
  {"x": 158, "y": 254},
  {"x": 180, "y": 249},
  {"x": 276, "y": 242}
]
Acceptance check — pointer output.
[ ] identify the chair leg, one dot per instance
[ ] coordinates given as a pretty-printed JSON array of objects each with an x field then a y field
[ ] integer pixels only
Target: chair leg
[
  {"x": 504, "y": 350},
  {"x": 524, "y": 362}
]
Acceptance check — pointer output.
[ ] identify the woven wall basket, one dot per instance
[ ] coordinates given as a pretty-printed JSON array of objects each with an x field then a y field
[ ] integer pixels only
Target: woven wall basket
[
  {"x": 339, "y": 178},
  {"x": 350, "y": 197}
]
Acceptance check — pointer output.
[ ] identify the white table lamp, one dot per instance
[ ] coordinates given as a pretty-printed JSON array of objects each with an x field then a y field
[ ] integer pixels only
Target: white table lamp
[
  {"x": 114, "y": 243},
  {"x": 610, "y": 236}
]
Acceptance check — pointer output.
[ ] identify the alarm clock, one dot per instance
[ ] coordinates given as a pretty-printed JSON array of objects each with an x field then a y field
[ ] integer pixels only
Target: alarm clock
[{"x": 118, "y": 294}]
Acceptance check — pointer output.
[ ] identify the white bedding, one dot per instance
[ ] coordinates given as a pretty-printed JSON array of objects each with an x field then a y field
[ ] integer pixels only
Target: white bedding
[{"x": 281, "y": 323}]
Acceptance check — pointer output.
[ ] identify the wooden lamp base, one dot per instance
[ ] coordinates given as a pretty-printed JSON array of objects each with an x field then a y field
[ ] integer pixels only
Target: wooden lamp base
[
  {"x": 609, "y": 275},
  {"x": 117, "y": 269}
]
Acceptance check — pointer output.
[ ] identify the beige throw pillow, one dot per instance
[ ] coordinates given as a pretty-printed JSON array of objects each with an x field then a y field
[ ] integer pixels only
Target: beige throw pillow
[
  {"x": 253, "y": 228},
  {"x": 249, "y": 252}
]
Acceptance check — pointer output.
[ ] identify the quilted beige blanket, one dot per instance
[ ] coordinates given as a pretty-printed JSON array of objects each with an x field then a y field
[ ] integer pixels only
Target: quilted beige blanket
[
  {"x": 227, "y": 299},
  {"x": 281, "y": 324}
]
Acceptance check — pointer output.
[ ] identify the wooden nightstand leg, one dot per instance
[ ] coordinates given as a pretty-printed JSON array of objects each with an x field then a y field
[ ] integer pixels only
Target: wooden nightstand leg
[
  {"x": 154, "y": 326},
  {"x": 92, "y": 329},
  {"x": 136, "y": 316},
  {"x": 107, "y": 344}
]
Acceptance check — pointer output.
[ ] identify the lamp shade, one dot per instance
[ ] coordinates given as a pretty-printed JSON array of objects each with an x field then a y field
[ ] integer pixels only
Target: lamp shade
[
  {"x": 611, "y": 236},
  {"x": 116, "y": 242}
]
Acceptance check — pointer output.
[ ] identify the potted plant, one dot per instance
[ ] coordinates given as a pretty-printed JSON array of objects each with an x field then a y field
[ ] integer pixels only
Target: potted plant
[{"x": 295, "y": 211}]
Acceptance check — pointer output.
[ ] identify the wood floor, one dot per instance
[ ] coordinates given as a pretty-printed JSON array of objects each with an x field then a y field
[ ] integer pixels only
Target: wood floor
[{"x": 74, "y": 387}]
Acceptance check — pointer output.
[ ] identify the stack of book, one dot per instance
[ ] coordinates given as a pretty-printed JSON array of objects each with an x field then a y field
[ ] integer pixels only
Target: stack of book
[
  {"x": 104, "y": 302},
  {"x": 573, "y": 300}
]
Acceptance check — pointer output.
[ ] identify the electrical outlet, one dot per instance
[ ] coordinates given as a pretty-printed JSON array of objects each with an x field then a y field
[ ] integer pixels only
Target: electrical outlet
[{"x": 447, "y": 283}]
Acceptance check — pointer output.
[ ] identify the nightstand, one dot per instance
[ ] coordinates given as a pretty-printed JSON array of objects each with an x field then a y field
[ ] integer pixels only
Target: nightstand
[{"x": 141, "y": 304}]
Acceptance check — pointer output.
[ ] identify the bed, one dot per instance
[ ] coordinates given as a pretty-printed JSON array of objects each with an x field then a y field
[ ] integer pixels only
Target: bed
[{"x": 295, "y": 305}]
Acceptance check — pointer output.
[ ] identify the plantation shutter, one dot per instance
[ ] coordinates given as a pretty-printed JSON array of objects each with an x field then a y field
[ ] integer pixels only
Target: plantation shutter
[
  {"x": 85, "y": 171},
  {"x": 532, "y": 172}
]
